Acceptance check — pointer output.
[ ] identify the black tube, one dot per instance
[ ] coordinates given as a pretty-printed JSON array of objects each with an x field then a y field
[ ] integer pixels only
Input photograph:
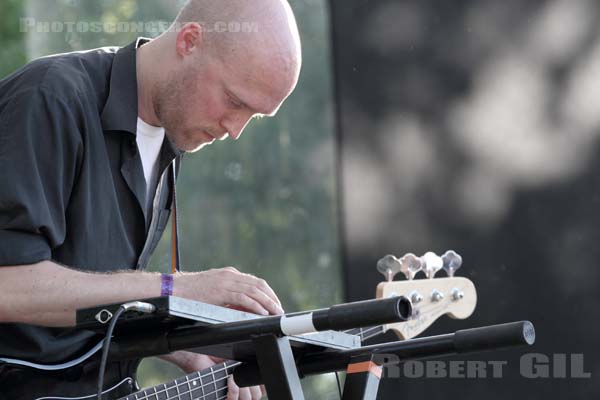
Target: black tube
[
  {"x": 362, "y": 313},
  {"x": 464, "y": 341},
  {"x": 338, "y": 317},
  {"x": 186, "y": 338},
  {"x": 494, "y": 337}
]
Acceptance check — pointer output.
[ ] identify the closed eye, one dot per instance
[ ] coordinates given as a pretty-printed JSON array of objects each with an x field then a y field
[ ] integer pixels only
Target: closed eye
[{"x": 234, "y": 103}]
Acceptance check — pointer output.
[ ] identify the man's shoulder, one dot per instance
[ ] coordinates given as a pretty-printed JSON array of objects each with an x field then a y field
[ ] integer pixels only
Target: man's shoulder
[{"x": 67, "y": 76}]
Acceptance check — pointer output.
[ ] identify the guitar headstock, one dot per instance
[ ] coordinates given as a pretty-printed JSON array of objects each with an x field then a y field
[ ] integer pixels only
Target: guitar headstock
[{"x": 431, "y": 297}]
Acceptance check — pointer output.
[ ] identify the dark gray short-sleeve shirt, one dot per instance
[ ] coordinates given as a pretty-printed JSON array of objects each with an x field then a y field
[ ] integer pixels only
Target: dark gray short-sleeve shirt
[{"x": 71, "y": 180}]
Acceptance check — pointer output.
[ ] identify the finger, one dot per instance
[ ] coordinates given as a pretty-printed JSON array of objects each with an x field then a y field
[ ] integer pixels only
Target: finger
[
  {"x": 233, "y": 391},
  {"x": 246, "y": 303},
  {"x": 217, "y": 360},
  {"x": 264, "y": 286},
  {"x": 231, "y": 280},
  {"x": 263, "y": 390},
  {"x": 245, "y": 394},
  {"x": 261, "y": 297},
  {"x": 254, "y": 281},
  {"x": 255, "y": 392}
]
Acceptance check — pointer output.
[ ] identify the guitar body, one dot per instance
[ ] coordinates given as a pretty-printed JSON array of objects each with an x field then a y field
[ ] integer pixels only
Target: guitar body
[
  {"x": 18, "y": 383},
  {"x": 68, "y": 384}
]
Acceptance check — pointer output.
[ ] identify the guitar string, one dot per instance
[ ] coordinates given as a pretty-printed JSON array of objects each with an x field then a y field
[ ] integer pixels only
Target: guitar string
[
  {"x": 364, "y": 333},
  {"x": 204, "y": 385},
  {"x": 190, "y": 391},
  {"x": 65, "y": 365},
  {"x": 195, "y": 376},
  {"x": 178, "y": 396}
]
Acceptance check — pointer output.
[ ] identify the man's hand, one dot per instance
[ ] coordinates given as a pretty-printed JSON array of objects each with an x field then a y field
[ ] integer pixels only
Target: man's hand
[
  {"x": 228, "y": 287},
  {"x": 192, "y": 362},
  {"x": 248, "y": 393}
]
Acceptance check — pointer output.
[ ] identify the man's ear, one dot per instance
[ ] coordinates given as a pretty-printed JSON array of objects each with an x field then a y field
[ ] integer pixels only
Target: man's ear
[{"x": 189, "y": 39}]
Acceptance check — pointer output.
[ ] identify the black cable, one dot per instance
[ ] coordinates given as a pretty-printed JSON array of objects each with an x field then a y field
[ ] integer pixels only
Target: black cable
[
  {"x": 105, "y": 348},
  {"x": 337, "y": 378},
  {"x": 133, "y": 305}
]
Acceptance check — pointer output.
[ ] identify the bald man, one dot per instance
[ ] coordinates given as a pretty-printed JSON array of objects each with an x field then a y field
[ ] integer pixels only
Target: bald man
[{"x": 88, "y": 140}]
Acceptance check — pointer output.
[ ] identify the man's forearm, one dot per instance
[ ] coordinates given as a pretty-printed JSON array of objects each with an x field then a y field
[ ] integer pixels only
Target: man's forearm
[{"x": 48, "y": 294}]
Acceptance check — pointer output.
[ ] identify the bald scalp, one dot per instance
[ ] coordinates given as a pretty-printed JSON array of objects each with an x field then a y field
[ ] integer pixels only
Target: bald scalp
[{"x": 276, "y": 29}]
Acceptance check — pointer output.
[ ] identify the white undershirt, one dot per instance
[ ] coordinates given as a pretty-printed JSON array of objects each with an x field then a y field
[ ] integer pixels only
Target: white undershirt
[{"x": 149, "y": 141}]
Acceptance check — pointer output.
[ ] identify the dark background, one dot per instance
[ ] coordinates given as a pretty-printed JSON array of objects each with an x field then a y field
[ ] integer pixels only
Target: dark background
[{"x": 472, "y": 125}]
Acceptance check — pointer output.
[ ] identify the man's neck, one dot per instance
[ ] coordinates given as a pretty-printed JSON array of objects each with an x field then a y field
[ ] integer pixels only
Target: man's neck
[{"x": 144, "y": 85}]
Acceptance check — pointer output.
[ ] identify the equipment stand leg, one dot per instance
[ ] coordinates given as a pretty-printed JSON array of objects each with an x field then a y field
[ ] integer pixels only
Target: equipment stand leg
[
  {"x": 278, "y": 367},
  {"x": 362, "y": 380}
]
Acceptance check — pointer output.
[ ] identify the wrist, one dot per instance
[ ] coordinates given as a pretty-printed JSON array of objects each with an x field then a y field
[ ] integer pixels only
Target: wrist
[
  {"x": 179, "y": 285},
  {"x": 166, "y": 284}
]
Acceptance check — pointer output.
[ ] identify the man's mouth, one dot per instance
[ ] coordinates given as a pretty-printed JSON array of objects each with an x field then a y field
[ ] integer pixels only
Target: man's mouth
[
  {"x": 220, "y": 136},
  {"x": 210, "y": 137}
]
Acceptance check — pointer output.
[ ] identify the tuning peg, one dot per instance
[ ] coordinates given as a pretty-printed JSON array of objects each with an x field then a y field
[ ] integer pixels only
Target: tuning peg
[
  {"x": 388, "y": 266},
  {"x": 410, "y": 265},
  {"x": 432, "y": 263},
  {"x": 452, "y": 262}
]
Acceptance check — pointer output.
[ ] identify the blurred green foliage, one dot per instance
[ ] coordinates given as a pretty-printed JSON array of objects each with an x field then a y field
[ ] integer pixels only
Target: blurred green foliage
[
  {"x": 266, "y": 203},
  {"x": 12, "y": 40}
]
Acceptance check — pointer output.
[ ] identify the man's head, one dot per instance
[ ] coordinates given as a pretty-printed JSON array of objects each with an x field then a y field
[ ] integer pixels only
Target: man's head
[{"x": 208, "y": 81}]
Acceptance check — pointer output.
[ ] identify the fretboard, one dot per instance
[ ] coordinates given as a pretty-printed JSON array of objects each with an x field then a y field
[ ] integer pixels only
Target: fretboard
[
  {"x": 211, "y": 383},
  {"x": 208, "y": 384}
]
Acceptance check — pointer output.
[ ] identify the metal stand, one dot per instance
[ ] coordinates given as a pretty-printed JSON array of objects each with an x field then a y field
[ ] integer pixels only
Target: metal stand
[
  {"x": 278, "y": 367},
  {"x": 362, "y": 379},
  {"x": 280, "y": 374},
  {"x": 271, "y": 339}
]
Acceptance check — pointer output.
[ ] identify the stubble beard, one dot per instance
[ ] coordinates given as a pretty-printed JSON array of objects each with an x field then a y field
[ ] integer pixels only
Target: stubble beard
[{"x": 167, "y": 108}]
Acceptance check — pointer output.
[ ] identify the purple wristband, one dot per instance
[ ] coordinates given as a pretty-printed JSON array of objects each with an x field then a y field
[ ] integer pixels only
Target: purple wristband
[{"x": 166, "y": 285}]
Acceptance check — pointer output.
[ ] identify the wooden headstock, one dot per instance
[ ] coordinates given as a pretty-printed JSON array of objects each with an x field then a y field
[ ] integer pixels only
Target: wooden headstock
[{"x": 431, "y": 298}]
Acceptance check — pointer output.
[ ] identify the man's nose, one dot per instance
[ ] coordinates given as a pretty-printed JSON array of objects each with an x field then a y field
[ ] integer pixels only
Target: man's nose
[
  {"x": 237, "y": 126},
  {"x": 235, "y": 133}
]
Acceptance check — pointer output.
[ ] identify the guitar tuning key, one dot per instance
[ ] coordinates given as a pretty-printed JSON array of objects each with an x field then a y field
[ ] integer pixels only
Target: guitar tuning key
[
  {"x": 452, "y": 261},
  {"x": 410, "y": 265},
  {"x": 436, "y": 296},
  {"x": 432, "y": 263},
  {"x": 457, "y": 294},
  {"x": 415, "y": 297},
  {"x": 388, "y": 266}
]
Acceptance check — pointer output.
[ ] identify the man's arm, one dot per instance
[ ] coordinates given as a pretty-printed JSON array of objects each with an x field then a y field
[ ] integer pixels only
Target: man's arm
[
  {"x": 48, "y": 294},
  {"x": 40, "y": 158}
]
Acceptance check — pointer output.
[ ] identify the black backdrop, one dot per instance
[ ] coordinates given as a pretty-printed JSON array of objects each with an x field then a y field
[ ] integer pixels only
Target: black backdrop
[{"x": 401, "y": 68}]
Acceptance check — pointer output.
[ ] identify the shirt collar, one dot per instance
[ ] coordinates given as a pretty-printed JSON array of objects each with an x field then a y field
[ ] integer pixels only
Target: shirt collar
[{"x": 121, "y": 108}]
